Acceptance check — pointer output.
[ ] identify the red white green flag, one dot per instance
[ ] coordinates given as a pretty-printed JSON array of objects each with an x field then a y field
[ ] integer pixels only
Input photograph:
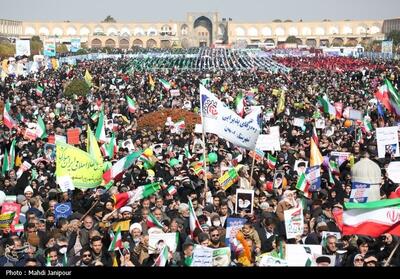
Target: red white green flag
[
  {"x": 271, "y": 161},
  {"x": 239, "y": 104},
  {"x": 152, "y": 221},
  {"x": 120, "y": 166},
  {"x": 372, "y": 218},
  {"x": 193, "y": 221},
  {"x": 131, "y": 104},
  {"x": 116, "y": 242},
  {"x": 7, "y": 119},
  {"x": 127, "y": 198},
  {"x": 163, "y": 257}
]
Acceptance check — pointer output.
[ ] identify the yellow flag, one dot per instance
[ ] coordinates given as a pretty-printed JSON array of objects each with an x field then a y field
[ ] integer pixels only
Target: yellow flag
[
  {"x": 6, "y": 220},
  {"x": 88, "y": 78},
  {"x": 54, "y": 63},
  {"x": 281, "y": 103},
  {"x": 124, "y": 225},
  {"x": 275, "y": 92},
  {"x": 151, "y": 82},
  {"x": 316, "y": 158},
  {"x": 92, "y": 147},
  {"x": 83, "y": 169}
]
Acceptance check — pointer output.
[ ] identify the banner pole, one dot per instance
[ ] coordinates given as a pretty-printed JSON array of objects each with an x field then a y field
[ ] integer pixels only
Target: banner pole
[{"x": 252, "y": 167}]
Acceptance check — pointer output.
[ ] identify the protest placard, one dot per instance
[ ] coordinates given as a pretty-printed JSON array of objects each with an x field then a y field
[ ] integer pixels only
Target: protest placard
[
  {"x": 73, "y": 135},
  {"x": 233, "y": 225},
  {"x": 268, "y": 260},
  {"x": 270, "y": 141},
  {"x": 175, "y": 92},
  {"x": 228, "y": 179},
  {"x": 157, "y": 241},
  {"x": 244, "y": 201},
  {"x": 314, "y": 178},
  {"x": 198, "y": 129},
  {"x": 388, "y": 141},
  {"x": 12, "y": 207},
  {"x": 359, "y": 192},
  {"x": 202, "y": 256},
  {"x": 300, "y": 166},
  {"x": 63, "y": 210},
  {"x": 393, "y": 171},
  {"x": 320, "y": 123},
  {"x": 60, "y": 138},
  {"x": 298, "y": 122},
  {"x": 65, "y": 183},
  {"x": 302, "y": 255},
  {"x": 294, "y": 222},
  {"x": 257, "y": 154}
]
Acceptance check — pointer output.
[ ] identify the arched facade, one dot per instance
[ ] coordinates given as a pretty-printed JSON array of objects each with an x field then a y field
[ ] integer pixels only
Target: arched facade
[
  {"x": 151, "y": 43},
  {"x": 96, "y": 43}
]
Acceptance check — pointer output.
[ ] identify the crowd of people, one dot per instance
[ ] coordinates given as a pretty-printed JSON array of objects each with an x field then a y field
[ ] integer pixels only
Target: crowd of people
[{"x": 85, "y": 236}]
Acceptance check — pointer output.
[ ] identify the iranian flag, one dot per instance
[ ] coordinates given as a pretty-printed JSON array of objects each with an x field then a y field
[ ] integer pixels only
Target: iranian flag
[
  {"x": 116, "y": 242},
  {"x": 100, "y": 130},
  {"x": 5, "y": 166},
  {"x": 271, "y": 161},
  {"x": 39, "y": 91},
  {"x": 111, "y": 148},
  {"x": 315, "y": 136},
  {"x": 165, "y": 84},
  {"x": 120, "y": 166},
  {"x": 11, "y": 156},
  {"x": 179, "y": 126},
  {"x": 239, "y": 104},
  {"x": 131, "y": 104},
  {"x": 382, "y": 95},
  {"x": 92, "y": 146},
  {"x": 7, "y": 119},
  {"x": 41, "y": 128},
  {"x": 127, "y": 198},
  {"x": 193, "y": 222},
  {"x": 394, "y": 97},
  {"x": 187, "y": 152},
  {"x": 153, "y": 222},
  {"x": 163, "y": 257},
  {"x": 171, "y": 190},
  {"x": 302, "y": 183},
  {"x": 327, "y": 106},
  {"x": 372, "y": 218},
  {"x": 367, "y": 126}
]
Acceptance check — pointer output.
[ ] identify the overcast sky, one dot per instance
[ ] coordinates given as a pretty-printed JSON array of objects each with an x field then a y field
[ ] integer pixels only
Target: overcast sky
[{"x": 164, "y": 10}]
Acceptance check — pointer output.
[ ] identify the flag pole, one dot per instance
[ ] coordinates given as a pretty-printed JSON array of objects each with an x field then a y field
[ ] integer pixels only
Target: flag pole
[
  {"x": 391, "y": 254},
  {"x": 204, "y": 155},
  {"x": 252, "y": 167}
]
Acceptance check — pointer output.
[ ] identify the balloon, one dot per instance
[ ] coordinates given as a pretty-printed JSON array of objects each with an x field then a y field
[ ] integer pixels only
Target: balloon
[
  {"x": 2, "y": 197},
  {"x": 151, "y": 173},
  {"x": 348, "y": 123},
  {"x": 212, "y": 157},
  {"x": 148, "y": 152},
  {"x": 173, "y": 162}
]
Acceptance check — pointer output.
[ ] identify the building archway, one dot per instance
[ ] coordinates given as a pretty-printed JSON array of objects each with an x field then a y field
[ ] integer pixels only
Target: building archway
[
  {"x": 124, "y": 43},
  {"x": 205, "y": 23},
  {"x": 337, "y": 42},
  {"x": 110, "y": 43},
  {"x": 96, "y": 43},
  {"x": 165, "y": 44},
  {"x": 352, "y": 42},
  {"x": 151, "y": 43},
  {"x": 311, "y": 42},
  {"x": 324, "y": 42},
  {"x": 137, "y": 43},
  {"x": 269, "y": 41},
  {"x": 299, "y": 41}
]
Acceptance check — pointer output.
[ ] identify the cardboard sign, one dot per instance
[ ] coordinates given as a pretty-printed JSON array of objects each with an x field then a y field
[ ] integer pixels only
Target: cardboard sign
[
  {"x": 65, "y": 183},
  {"x": 50, "y": 151},
  {"x": 294, "y": 222},
  {"x": 228, "y": 179},
  {"x": 268, "y": 260},
  {"x": 244, "y": 201},
  {"x": 320, "y": 123},
  {"x": 393, "y": 171},
  {"x": 359, "y": 192},
  {"x": 73, "y": 135},
  {"x": 314, "y": 178},
  {"x": 128, "y": 144},
  {"x": 355, "y": 114},
  {"x": 298, "y": 122},
  {"x": 61, "y": 138},
  {"x": 302, "y": 255},
  {"x": 30, "y": 134},
  {"x": 278, "y": 178},
  {"x": 63, "y": 210},
  {"x": 204, "y": 256},
  {"x": 233, "y": 225},
  {"x": 388, "y": 141},
  {"x": 157, "y": 241},
  {"x": 258, "y": 155},
  {"x": 271, "y": 141},
  {"x": 300, "y": 166}
]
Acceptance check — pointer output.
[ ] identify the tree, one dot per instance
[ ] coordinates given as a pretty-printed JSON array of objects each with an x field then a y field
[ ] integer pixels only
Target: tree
[
  {"x": 7, "y": 49},
  {"x": 277, "y": 20},
  {"x": 291, "y": 40},
  {"x": 77, "y": 87},
  {"x": 81, "y": 51},
  {"x": 36, "y": 45},
  {"x": 62, "y": 48},
  {"x": 288, "y": 20},
  {"x": 109, "y": 19},
  {"x": 395, "y": 36}
]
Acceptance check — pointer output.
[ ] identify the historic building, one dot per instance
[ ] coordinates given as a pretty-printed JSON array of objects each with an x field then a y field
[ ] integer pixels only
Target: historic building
[{"x": 199, "y": 29}]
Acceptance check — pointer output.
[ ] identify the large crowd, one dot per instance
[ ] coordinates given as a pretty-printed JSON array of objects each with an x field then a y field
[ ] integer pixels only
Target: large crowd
[{"x": 84, "y": 237}]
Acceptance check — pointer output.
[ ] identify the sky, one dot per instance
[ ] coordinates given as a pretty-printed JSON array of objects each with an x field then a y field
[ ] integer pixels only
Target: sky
[{"x": 175, "y": 10}]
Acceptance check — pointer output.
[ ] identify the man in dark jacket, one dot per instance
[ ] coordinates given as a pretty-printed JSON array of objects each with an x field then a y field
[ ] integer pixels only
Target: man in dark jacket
[{"x": 266, "y": 230}]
